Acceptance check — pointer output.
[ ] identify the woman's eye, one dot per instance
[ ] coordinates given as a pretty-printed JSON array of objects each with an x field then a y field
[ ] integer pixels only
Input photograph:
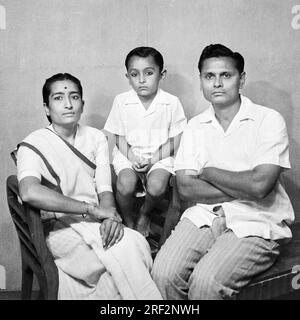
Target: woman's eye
[
  {"x": 149, "y": 73},
  {"x": 76, "y": 97},
  {"x": 133, "y": 75},
  {"x": 58, "y": 98},
  {"x": 226, "y": 75}
]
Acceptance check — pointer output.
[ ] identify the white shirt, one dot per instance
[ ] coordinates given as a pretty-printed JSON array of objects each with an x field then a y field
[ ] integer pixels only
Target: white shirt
[
  {"x": 90, "y": 141},
  {"x": 257, "y": 135},
  {"x": 146, "y": 129}
]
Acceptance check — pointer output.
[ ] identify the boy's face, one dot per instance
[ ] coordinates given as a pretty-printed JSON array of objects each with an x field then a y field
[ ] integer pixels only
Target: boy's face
[
  {"x": 221, "y": 81},
  {"x": 65, "y": 103},
  {"x": 144, "y": 76}
]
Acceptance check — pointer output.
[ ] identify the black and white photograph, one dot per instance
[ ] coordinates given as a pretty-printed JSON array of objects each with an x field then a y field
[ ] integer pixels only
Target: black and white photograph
[{"x": 150, "y": 153}]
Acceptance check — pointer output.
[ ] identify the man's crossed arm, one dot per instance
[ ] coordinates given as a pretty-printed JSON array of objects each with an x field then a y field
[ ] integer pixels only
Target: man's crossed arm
[{"x": 215, "y": 185}]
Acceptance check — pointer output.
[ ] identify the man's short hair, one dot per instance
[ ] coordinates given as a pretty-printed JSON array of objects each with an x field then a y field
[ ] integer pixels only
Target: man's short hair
[
  {"x": 145, "y": 52},
  {"x": 58, "y": 77},
  {"x": 219, "y": 50}
]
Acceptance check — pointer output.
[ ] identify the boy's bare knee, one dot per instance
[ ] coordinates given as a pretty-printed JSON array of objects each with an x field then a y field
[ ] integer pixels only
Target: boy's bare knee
[
  {"x": 155, "y": 188},
  {"x": 126, "y": 183},
  {"x": 157, "y": 185}
]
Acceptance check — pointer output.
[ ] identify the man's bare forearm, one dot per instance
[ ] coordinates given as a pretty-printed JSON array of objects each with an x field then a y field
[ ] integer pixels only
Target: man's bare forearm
[
  {"x": 193, "y": 189},
  {"x": 248, "y": 185}
]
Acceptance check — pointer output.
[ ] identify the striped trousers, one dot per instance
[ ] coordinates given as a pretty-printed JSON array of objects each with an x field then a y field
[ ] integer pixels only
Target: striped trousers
[{"x": 209, "y": 263}]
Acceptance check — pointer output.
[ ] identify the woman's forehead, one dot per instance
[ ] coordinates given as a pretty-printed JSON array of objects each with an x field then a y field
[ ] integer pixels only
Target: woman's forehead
[{"x": 63, "y": 86}]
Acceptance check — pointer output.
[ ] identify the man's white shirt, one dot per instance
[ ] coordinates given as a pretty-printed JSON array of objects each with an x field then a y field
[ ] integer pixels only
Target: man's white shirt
[{"x": 257, "y": 135}]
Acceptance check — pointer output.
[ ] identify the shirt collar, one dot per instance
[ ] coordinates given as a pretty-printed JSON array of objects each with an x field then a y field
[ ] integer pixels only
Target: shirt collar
[
  {"x": 245, "y": 112},
  {"x": 160, "y": 98}
]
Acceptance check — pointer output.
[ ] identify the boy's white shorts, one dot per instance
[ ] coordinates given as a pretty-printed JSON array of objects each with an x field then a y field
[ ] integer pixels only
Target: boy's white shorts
[{"x": 120, "y": 162}]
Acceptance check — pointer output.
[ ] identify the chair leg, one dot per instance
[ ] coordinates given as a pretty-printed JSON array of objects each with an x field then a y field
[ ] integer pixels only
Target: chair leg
[
  {"x": 48, "y": 288},
  {"x": 27, "y": 279},
  {"x": 52, "y": 288}
]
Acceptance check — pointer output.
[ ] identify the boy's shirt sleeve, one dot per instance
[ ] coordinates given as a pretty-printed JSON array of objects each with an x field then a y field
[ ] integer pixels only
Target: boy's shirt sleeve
[
  {"x": 178, "y": 120},
  {"x": 114, "y": 123}
]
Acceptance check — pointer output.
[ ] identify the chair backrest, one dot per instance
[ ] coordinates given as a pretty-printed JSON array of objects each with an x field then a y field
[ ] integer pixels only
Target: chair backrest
[{"x": 34, "y": 250}]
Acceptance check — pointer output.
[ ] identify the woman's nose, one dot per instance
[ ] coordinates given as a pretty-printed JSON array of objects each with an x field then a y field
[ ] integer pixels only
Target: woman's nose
[{"x": 68, "y": 103}]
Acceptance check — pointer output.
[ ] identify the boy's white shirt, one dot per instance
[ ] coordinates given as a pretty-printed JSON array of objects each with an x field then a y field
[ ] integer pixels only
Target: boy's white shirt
[{"x": 146, "y": 129}]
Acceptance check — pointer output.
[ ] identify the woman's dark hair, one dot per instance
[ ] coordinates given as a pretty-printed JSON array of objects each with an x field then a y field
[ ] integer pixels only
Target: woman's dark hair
[
  {"x": 218, "y": 50},
  {"x": 145, "y": 52},
  {"x": 58, "y": 77}
]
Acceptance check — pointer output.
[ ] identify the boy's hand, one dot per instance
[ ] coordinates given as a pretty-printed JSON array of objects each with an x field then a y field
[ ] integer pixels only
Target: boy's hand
[
  {"x": 132, "y": 157},
  {"x": 143, "y": 165},
  {"x": 111, "y": 232},
  {"x": 142, "y": 170},
  {"x": 144, "y": 162}
]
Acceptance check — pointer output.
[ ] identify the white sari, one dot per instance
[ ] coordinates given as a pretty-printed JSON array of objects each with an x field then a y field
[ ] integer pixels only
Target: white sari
[{"x": 86, "y": 270}]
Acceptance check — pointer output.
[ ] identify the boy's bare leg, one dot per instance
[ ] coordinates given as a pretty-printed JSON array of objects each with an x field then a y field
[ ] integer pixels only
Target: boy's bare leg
[
  {"x": 126, "y": 186},
  {"x": 157, "y": 183}
]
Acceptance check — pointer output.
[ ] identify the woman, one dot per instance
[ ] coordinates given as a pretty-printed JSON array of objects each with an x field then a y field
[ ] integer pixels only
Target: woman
[{"x": 64, "y": 170}]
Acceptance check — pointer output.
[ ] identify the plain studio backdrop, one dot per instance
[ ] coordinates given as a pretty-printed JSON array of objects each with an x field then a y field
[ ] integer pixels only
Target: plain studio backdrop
[{"x": 90, "y": 39}]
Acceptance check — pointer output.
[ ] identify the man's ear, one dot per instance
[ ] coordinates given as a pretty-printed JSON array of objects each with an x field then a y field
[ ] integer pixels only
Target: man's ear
[
  {"x": 46, "y": 108},
  {"x": 163, "y": 74},
  {"x": 242, "y": 80}
]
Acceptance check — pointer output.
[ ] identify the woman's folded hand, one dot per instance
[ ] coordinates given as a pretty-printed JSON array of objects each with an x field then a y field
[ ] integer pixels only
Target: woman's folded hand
[{"x": 111, "y": 232}]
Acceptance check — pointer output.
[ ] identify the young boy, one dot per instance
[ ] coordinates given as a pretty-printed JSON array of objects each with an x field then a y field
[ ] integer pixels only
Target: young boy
[{"x": 147, "y": 123}]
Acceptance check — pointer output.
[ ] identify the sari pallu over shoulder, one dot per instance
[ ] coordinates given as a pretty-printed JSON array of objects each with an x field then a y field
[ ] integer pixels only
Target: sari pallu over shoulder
[
  {"x": 76, "y": 152},
  {"x": 73, "y": 176},
  {"x": 45, "y": 182}
]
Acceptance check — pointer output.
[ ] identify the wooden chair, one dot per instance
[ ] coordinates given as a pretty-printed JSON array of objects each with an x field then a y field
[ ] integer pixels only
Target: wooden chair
[
  {"x": 36, "y": 257},
  {"x": 274, "y": 283}
]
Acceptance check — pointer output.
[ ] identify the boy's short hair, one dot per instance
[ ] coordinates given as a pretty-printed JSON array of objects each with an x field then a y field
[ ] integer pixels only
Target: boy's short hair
[
  {"x": 219, "y": 50},
  {"x": 145, "y": 52},
  {"x": 58, "y": 77}
]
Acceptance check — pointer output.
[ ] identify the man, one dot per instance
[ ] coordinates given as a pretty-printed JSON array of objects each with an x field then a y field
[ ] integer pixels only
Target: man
[{"x": 229, "y": 163}]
